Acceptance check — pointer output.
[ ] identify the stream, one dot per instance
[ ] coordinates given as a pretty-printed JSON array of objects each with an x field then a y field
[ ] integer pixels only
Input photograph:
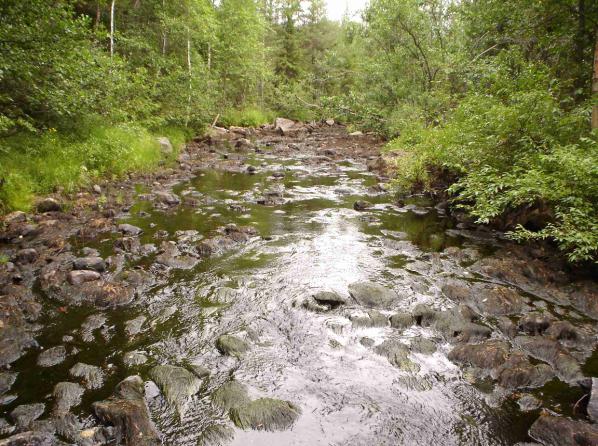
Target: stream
[{"x": 228, "y": 289}]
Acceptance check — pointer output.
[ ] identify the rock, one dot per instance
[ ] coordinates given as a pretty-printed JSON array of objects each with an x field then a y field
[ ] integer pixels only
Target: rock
[
  {"x": 239, "y": 130},
  {"x": 66, "y": 395},
  {"x": 128, "y": 229},
  {"x": 362, "y": 205},
  {"x": 104, "y": 294},
  {"x": 165, "y": 146},
  {"x": 127, "y": 411},
  {"x": 30, "y": 439},
  {"x": 423, "y": 346},
  {"x": 286, "y": 126},
  {"x": 81, "y": 276},
  {"x": 15, "y": 217},
  {"x": 231, "y": 345},
  {"x": 397, "y": 354},
  {"x": 93, "y": 376},
  {"x": 553, "y": 430},
  {"x": 423, "y": 315},
  {"x": 265, "y": 414},
  {"x": 90, "y": 263},
  {"x": 6, "y": 428},
  {"x": 166, "y": 198},
  {"x": 534, "y": 323},
  {"x": 528, "y": 402},
  {"x": 593, "y": 403},
  {"x": 172, "y": 257},
  {"x": 132, "y": 359},
  {"x": 25, "y": 414},
  {"x": 585, "y": 298},
  {"x": 367, "y": 342},
  {"x": 27, "y": 255},
  {"x": 329, "y": 298},
  {"x": 90, "y": 324},
  {"x": 552, "y": 352},
  {"x": 49, "y": 205},
  {"x": 356, "y": 133},
  {"x": 97, "y": 189},
  {"x": 52, "y": 356},
  {"x": 177, "y": 384},
  {"x": 487, "y": 355},
  {"x": 7, "y": 379},
  {"x": 401, "y": 320},
  {"x": 371, "y": 295},
  {"x": 230, "y": 395},
  {"x": 329, "y": 122},
  {"x": 251, "y": 170},
  {"x": 518, "y": 373},
  {"x": 133, "y": 327},
  {"x": 373, "y": 319}
]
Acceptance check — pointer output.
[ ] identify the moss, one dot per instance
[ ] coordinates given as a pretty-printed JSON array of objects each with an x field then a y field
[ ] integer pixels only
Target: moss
[
  {"x": 230, "y": 395},
  {"x": 265, "y": 414}
]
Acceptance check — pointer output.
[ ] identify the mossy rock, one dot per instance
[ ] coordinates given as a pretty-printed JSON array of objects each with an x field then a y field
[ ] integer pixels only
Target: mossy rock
[
  {"x": 231, "y": 345},
  {"x": 265, "y": 414},
  {"x": 397, "y": 354},
  {"x": 230, "y": 395},
  {"x": 177, "y": 384}
]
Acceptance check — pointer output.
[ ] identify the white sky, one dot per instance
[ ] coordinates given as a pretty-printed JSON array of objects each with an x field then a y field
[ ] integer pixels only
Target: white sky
[{"x": 336, "y": 8}]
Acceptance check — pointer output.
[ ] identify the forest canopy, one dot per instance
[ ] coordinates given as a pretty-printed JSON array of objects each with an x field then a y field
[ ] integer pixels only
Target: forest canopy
[{"x": 485, "y": 102}]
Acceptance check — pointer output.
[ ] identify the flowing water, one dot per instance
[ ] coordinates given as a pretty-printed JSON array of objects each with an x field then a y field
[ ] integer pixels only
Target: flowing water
[{"x": 320, "y": 361}]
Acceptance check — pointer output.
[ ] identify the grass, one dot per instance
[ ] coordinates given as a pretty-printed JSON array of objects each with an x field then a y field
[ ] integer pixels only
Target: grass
[
  {"x": 247, "y": 117},
  {"x": 38, "y": 164}
]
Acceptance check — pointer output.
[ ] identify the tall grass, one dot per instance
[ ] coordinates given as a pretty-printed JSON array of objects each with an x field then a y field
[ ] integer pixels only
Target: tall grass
[
  {"x": 37, "y": 164},
  {"x": 246, "y": 117}
]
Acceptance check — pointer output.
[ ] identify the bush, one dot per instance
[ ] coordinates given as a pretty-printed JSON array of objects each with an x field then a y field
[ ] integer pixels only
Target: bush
[{"x": 246, "y": 117}]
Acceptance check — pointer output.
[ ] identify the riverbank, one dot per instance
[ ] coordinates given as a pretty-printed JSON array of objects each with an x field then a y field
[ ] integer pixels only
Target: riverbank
[{"x": 256, "y": 287}]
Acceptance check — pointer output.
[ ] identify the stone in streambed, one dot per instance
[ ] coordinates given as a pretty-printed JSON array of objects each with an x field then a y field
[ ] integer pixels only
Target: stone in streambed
[
  {"x": 230, "y": 395},
  {"x": 329, "y": 298},
  {"x": 372, "y": 295},
  {"x": 128, "y": 229},
  {"x": 401, "y": 320},
  {"x": 24, "y": 256},
  {"x": 486, "y": 355},
  {"x": 593, "y": 403},
  {"x": 93, "y": 376},
  {"x": 231, "y": 345},
  {"x": 517, "y": 372},
  {"x": 49, "y": 205},
  {"x": 25, "y": 414},
  {"x": 552, "y": 352},
  {"x": 131, "y": 359},
  {"x": 373, "y": 318},
  {"x": 127, "y": 411},
  {"x": 7, "y": 379},
  {"x": 553, "y": 430},
  {"x": 134, "y": 326},
  {"x": 177, "y": 384},
  {"x": 80, "y": 277},
  {"x": 265, "y": 414},
  {"x": 362, "y": 205},
  {"x": 92, "y": 263},
  {"x": 52, "y": 356},
  {"x": 66, "y": 395},
  {"x": 397, "y": 354},
  {"x": 528, "y": 402},
  {"x": 423, "y": 346}
]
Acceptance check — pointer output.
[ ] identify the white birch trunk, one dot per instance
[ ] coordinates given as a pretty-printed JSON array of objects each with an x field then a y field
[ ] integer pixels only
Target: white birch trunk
[{"x": 112, "y": 29}]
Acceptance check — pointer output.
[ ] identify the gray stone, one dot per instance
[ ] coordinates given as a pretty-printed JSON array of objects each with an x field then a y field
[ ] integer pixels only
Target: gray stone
[
  {"x": 7, "y": 379},
  {"x": 25, "y": 414},
  {"x": 231, "y": 345},
  {"x": 265, "y": 414},
  {"x": 371, "y": 295},
  {"x": 134, "y": 326},
  {"x": 52, "y": 356},
  {"x": 422, "y": 345},
  {"x": 91, "y": 324},
  {"x": 362, "y": 205},
  {"x": 165, "y": 146},
  {"x": 79, "y": 277},
  {"x": 329, "y": 298},
  {"x": 92, "y": 375},
  {"x": 553, "y": 430},
  {"x": 128, "y": 229},
  {"x": 27, "y": 255},
  {"x": 401, "y": 320},
  {"x": 397, "y": 354},
  {"x": 92, "y": 263},
  {"x": 230, "y": 395},
  {"x": 177, "y": 384},
  {"x": 132, "y": 359},
  {"x": 49, "y": 205},
  {"x": 528, "y": 402},
  {"x": 66, "y": 395},
  {"x": 593, "y": 403}
]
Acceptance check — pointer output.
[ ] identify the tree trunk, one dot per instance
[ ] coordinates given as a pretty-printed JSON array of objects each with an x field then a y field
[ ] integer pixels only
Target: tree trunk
[
  {"x": 190, "y": 77},
  {"x": 595, "y": 87},
  {"x": 98, "y": 16},
  {"x": 112, "y": 29}
]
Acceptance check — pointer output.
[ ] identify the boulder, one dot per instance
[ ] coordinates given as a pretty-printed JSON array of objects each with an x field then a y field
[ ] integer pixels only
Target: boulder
[
  {"x": 528, "y": 402},
  {"x": 552, "y": 352},
  {"x": 373, "y": 319},
  {"x": 93, "y": 263},
  {"x": 397, "y": 354},
  {"x": 329, "y": 298},
  {"x": 265, "y": 414},
  {"x": 165, "y": 145},
  {"x": 177, "y": 384},
  {"x": 49, "y": 205},
  {"x": 25, "y": 414},
  {"x": 30, "y": 438},
  {"x": 79, "y": 277},
  {"x": 362, "y": 205},
  {"x": 134, "y": 326},
  {"x": 593, "y": 403},
  {"x": 230, "y": 395},
  {"x": 231, "y": 345},
  {"x": 130, "y": 230},
  {"x": 286, "y": 126},
  {"x": 127, "y": 411},
  {"x": 93, "y": 376},
  {"x": 422, "y": 345},
  {"x": 551, "y": 430},
  {"x": 372, "y": 295},
  {"x": 52, "y": 356},
  {"x": 487, "y": 355},
  {"x": 518, "y": 373},
  {"x": 27, "y": 255},
  {"x": 401, "y": 320},
  {"x": 66, "y": 395}
]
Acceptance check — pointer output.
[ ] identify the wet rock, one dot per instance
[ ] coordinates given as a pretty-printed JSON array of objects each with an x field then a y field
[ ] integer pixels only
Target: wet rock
[
  {"x": 397, "y": 354},
  {"x": 230, "y": 395},
  {"x": 239, "y": 234},
  {"x": 423, "y": 315},
  {"x": 312, "y": 305},
  {"x": 552, "y": 352},
  {"x": 172, "y": 257},
  {"x": 401, "y": 320},
  {"x": 91, "y": 324},
  {"x": 534, "y": 323},
  {"x": 90, "y": 263},
  {"x": 528, "y": 402},
  {"x": 134, "y": 326},
  {"x": 6, "y": 428},
  {"x": 30, "y": 439},
  {"x": 251, "y": 170},
  {"x": 128, "y": 229},
  {"x": 415, "y": 383},
  {"x": 551, "y": 430},
  {"x": 15, "y": 217},
  {"x": 506, "y": 326},
  {"x": 367, "y": 342},
  {"x": 128, "y": 244},
  {"x": 127, "y": 411},
  {"x": 104, "y": 294},
  {"x": 49, "y": 205},
  {"x": 362, "y": 205},
  {"x": 489, "y": 299},
  {"x": 5, "y": 400},
  {"x": 422, "y": 345},
  {"x": 231, "y": 345},
  {"x": 487, "y": 355},
  {"x": 265, "y": 414},
  {"x": 66, "y": 395},
  {"x": 370, "y": 294},
  {"x": 593, "y": 403},
  {"x": 25, "y": 256},
  {"x": 166, "y": 198},
  {"x": 329, "y": 298},
  {"x": 518, "y": 373},
  {"x": 373, "y": 319},
  {"x": 177, "y": 384},
  {"x": 569, "y": 335},
  {"x": 7, "y": 379},
  {"x": 80, "y": 276},
  {"x": 214, "y": 246},
  {"x": 25, "y": 414},
  {"x": 286, "y": 126},
  {"x": 585, "y": 298},
  {"x": 132, "y": 359},
  {"x": 92, "y": 376},
  {"x": 52, "y": 356}
]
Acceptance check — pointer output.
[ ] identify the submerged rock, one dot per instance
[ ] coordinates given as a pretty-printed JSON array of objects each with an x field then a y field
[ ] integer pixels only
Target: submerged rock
[
  {"x": 528, "y": 402},
  {"x": 134, "y": 326},
  {"x": 90, "y": 324},
  {"x": 518, "y": 373},
  {"x": 66, "y": 395},
  {"x": 265, "y": 414},
  {"x": 229, "y": 395},
  {"x": 397, "y": 354},
  {"x": 231, "y": 345},
  {"x": 127, "y": 411},
  {"x": 92, "y": 375},
  {"x": 177, "y": 384},
  {"x": 25, "y": 414},
  {"x": 52, "y": 356},
  {"x": 422, "y": 345},
  {"x": 371, "y": 295},
  {"x": 552, "y": 430},
  {"x": 373, "y": 318}
]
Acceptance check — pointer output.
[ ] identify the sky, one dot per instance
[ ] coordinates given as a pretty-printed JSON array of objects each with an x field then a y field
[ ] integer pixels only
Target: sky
[{"x": 336, "y": 8}]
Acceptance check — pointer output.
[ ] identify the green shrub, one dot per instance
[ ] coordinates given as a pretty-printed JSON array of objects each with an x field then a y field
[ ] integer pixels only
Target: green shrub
[{"x": 246, "y": 117}]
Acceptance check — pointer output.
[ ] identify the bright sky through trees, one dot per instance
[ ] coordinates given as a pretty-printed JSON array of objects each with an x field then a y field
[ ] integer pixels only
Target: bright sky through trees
[{"x": 336, "y": 8}]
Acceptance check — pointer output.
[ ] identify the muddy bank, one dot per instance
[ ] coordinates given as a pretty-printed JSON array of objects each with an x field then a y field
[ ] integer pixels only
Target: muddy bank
[{"x": 268, "y": 288}]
